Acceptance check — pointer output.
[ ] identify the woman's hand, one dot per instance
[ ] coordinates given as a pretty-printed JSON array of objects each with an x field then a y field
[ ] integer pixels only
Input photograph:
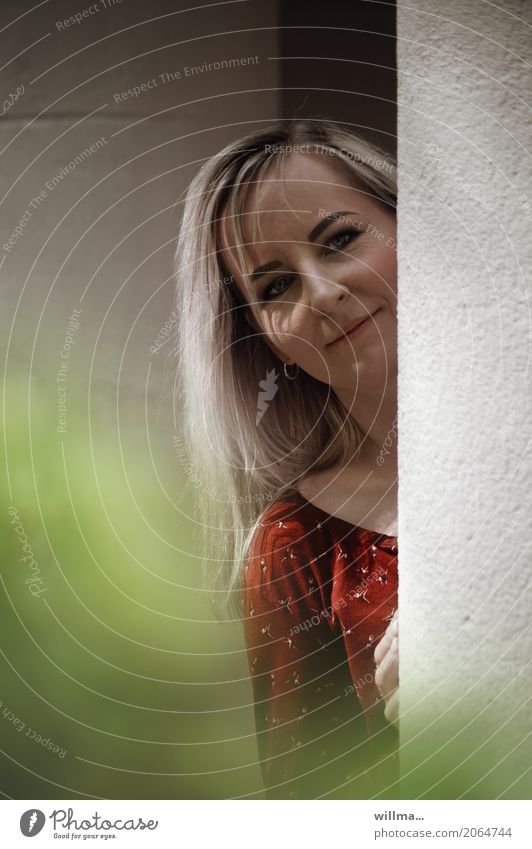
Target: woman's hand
[{"x": 387, "y": 672}]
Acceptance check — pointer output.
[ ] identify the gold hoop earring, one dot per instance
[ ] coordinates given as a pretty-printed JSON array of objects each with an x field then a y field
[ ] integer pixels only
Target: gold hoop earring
[{"x": 291, "y": 376}]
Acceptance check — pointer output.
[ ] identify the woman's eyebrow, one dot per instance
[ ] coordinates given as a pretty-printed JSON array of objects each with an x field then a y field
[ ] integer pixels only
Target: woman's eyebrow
[{"x": 312, "y": 236}]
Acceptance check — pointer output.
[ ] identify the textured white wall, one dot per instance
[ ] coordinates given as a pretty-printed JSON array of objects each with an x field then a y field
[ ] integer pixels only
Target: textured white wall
[{"x": 465, "y": 222}]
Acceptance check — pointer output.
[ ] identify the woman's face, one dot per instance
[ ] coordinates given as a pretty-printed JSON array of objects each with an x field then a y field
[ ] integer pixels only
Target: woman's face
[{"x": 323, "y": 259}]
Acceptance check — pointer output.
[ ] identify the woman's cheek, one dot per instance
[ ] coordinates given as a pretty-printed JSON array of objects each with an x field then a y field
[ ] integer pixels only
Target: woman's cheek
[
  {"x": 291, "y": 340},
  {"x": 306, "y": 355},
  {"x": 289, "y": 336}
]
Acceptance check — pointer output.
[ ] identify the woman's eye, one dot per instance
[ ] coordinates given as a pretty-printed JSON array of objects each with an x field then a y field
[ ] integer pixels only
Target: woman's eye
[
  {"x": 272, "y": 291},
  {"x": 335, "y": 243},
  {"x": 341, "y": 240}
]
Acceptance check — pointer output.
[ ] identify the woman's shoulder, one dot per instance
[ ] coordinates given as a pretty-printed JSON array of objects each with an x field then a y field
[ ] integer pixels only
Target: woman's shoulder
[
  {"x": 288, "y": 530},
  {"x": 288, "y": 520},
  {"x": 289, "y": 553},
  {"x": 289, "y": 509}
]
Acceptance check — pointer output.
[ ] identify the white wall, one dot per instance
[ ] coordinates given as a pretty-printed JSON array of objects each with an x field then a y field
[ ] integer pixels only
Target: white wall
[{"x": 465, "y": 223}]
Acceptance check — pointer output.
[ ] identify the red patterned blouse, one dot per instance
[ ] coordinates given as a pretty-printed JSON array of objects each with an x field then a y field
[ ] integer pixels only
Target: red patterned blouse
[{"x": 318, "y": 593}]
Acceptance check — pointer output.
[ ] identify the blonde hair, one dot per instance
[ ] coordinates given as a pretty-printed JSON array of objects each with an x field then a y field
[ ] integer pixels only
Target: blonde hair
[{"x": 241, "y": 465}]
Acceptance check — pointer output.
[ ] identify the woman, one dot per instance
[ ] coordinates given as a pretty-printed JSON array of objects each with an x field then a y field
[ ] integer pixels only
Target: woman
[{"x": 286, "y": 343}]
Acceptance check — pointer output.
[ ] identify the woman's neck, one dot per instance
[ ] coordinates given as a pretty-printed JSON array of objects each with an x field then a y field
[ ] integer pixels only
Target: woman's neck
[{"x": 376, "y": 419}]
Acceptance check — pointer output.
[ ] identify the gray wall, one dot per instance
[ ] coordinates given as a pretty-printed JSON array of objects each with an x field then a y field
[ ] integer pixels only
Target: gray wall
[{"x": 101, "y": 239}]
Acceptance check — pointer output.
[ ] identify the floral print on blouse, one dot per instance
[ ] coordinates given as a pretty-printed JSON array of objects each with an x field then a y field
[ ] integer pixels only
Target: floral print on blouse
[{"x": 317, "y": 595}]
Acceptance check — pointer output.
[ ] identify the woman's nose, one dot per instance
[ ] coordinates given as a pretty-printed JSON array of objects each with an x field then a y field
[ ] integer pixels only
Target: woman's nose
[{"x": 323, "y": 293}]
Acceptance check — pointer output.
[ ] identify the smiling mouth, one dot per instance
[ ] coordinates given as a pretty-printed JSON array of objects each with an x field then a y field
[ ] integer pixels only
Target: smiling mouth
[{"x": 354, "y": 332}]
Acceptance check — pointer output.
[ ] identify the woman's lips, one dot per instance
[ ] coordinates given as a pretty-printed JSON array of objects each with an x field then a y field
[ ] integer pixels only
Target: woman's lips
[{"x": 355, "y": 332}]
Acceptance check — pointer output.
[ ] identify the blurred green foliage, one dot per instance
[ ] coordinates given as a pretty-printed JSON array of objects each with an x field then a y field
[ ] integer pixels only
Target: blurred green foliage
[{"x": 118, "y": 661}]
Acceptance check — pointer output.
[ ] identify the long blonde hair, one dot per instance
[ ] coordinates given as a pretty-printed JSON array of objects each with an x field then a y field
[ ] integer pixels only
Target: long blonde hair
[{"x": 242, "y": 462}]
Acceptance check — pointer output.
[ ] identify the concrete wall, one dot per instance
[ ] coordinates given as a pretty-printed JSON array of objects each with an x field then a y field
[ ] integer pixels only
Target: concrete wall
[{"x": 465, "y": 219}]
